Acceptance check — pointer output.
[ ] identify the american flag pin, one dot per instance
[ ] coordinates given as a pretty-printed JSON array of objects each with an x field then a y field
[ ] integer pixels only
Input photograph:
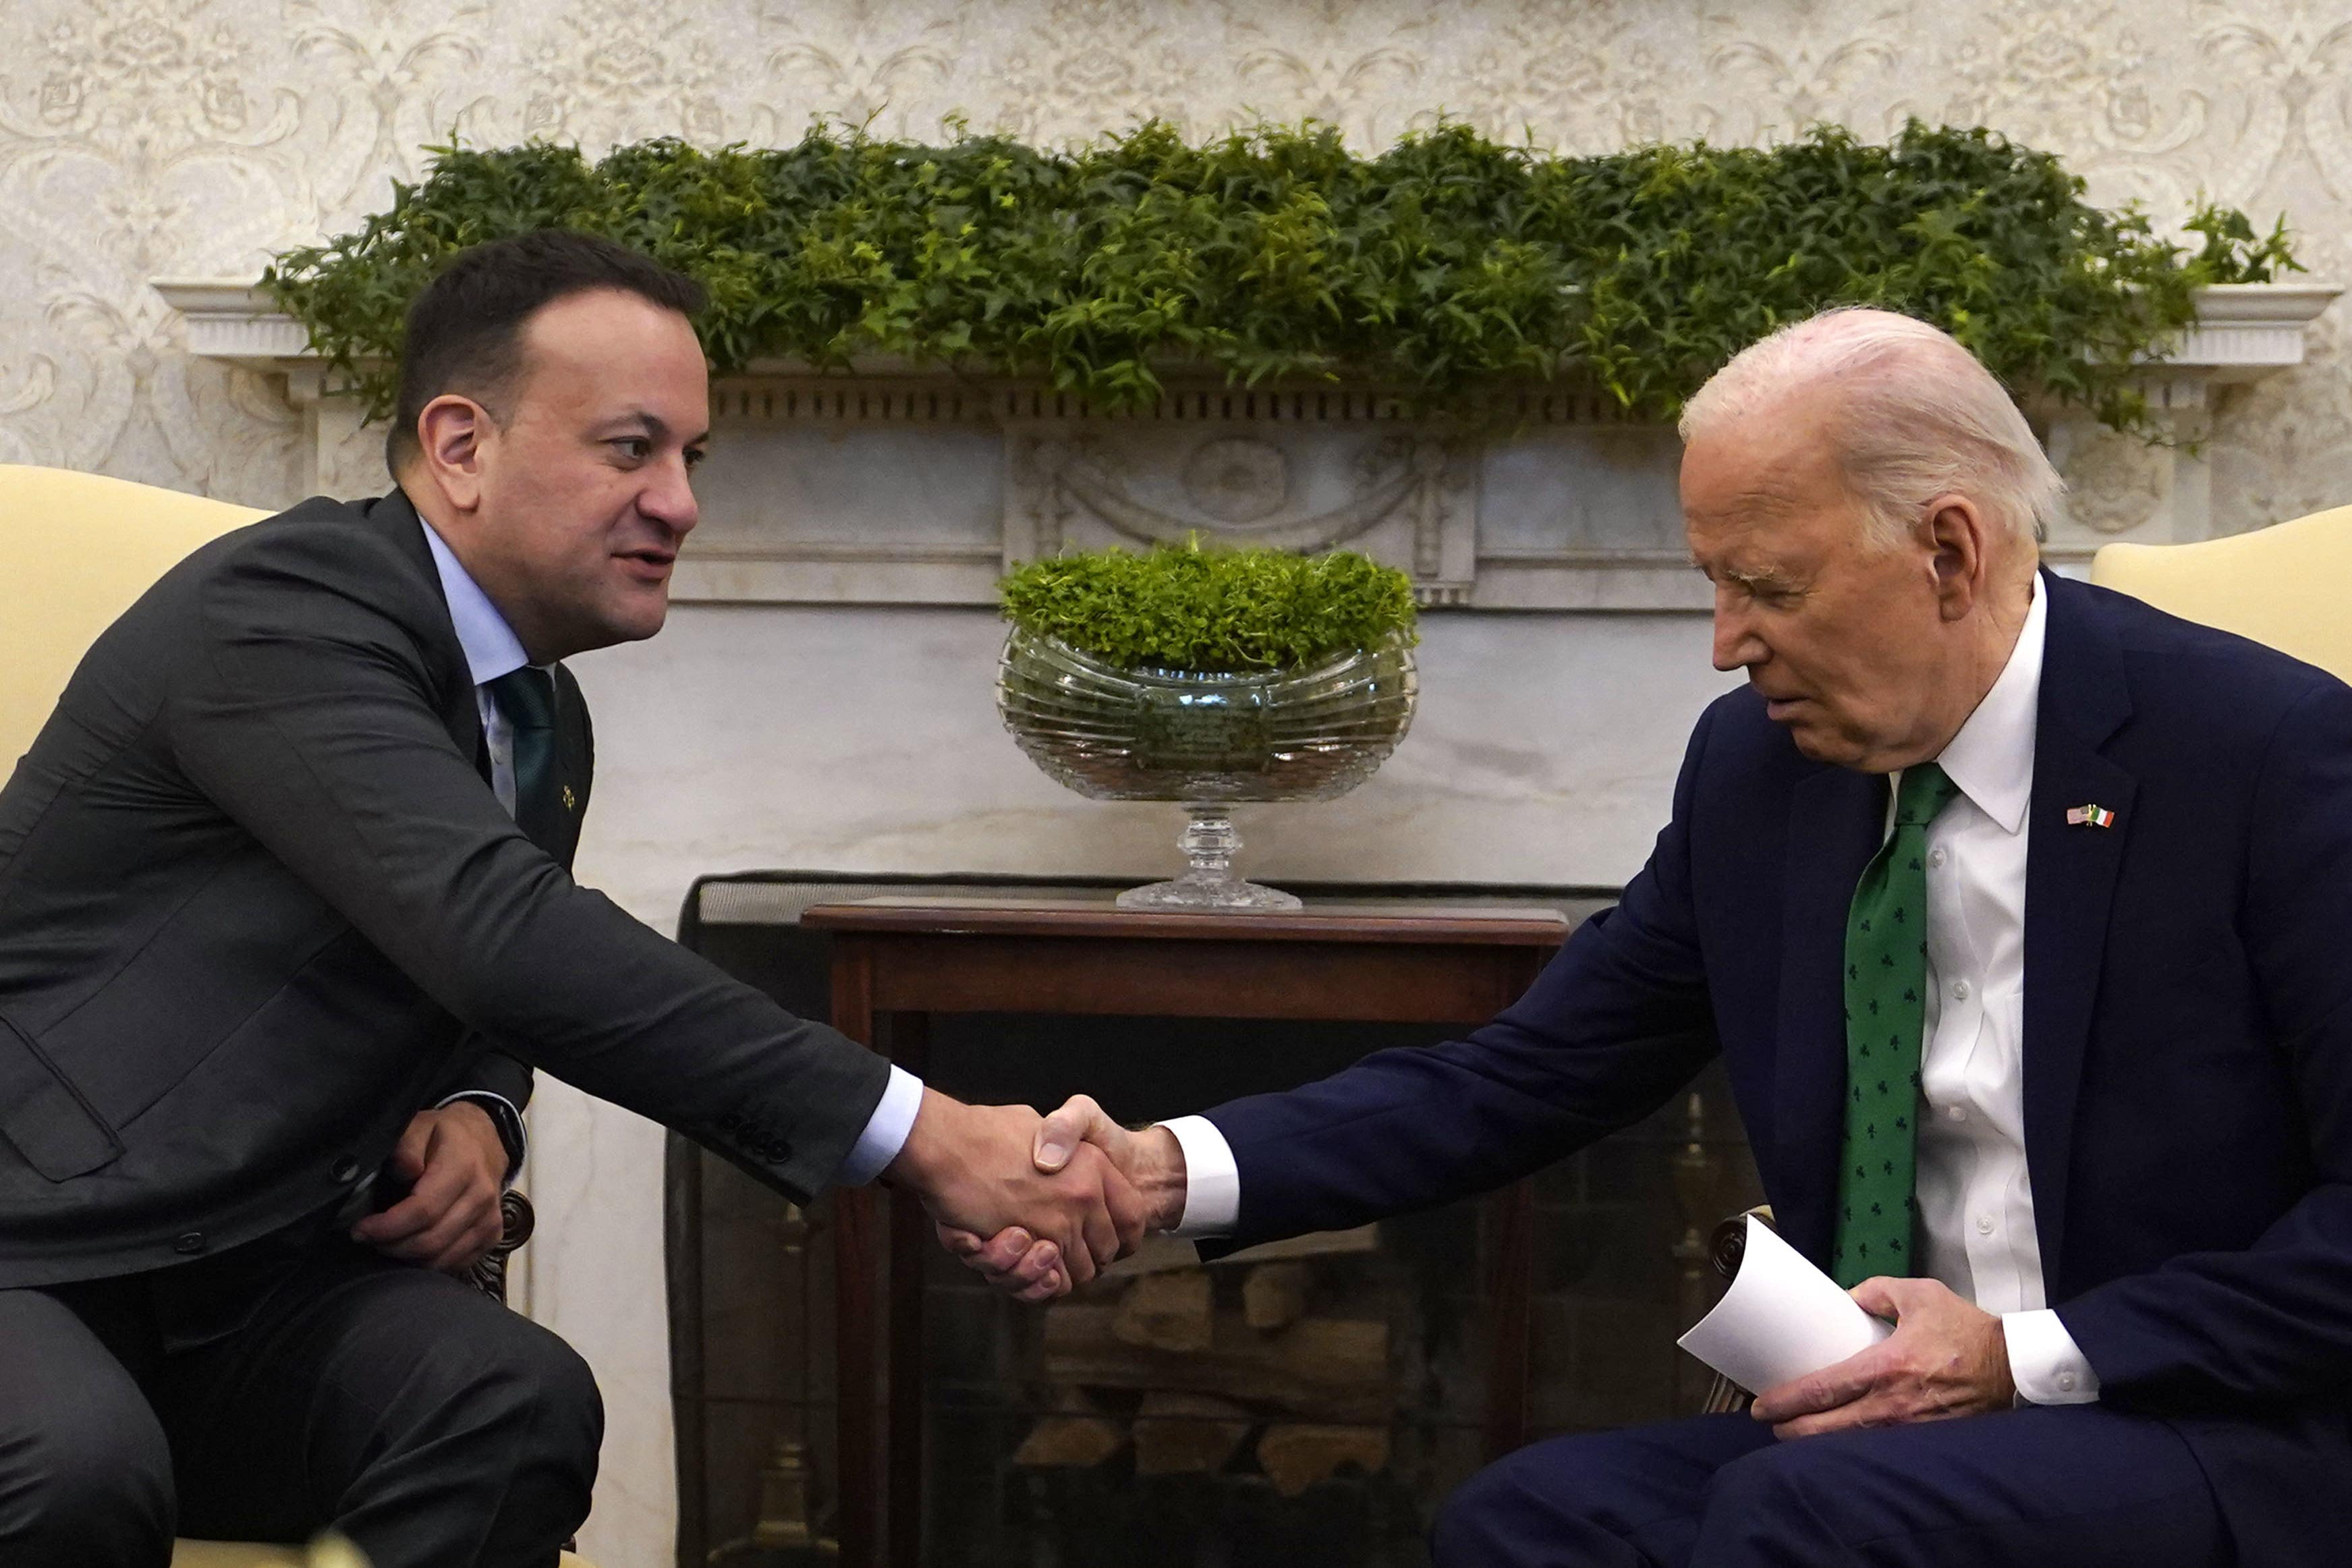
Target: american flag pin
[{"x": 2089, "y": 817}]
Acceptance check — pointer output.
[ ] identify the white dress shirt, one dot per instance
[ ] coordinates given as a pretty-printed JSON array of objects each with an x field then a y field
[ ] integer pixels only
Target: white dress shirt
[
  {"x": 492, "y": 650},
  {"x": 1976, "y": 1197}
]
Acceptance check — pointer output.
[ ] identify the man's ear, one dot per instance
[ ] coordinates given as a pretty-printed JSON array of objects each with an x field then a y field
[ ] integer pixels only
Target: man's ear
[
  {"x": 1954, "y": 531},
  {"x": 451, "y": 433}
]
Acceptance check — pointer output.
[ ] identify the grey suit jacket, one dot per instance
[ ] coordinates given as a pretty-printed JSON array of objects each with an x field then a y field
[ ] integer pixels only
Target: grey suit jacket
[{"x": 258, "y": 904}]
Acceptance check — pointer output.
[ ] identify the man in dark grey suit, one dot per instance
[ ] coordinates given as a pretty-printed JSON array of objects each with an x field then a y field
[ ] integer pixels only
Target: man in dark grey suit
[{"x": 287, "y": 869}]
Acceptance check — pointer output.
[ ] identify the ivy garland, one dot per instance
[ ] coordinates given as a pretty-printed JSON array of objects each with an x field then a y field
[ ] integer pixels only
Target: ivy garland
[{"x": 1436, "y": 267}]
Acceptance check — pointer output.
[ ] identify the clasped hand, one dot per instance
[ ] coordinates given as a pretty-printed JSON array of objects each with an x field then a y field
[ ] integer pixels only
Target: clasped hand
[
  {"x": 1946, "y": 1357},
  {"x": 455, "y": 1163},
  {"x": 1032, "y": 1266},
  {"x": 976, "y": 1170}
]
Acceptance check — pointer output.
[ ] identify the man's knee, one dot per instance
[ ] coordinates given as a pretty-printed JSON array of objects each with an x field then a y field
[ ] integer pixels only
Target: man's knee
[
  {"x": 513, "y": 1372},
  {"x": 1768, "y": 1506},
  {"x": 1468, "y": 1522},
  {"x": 86, "y": 1483},
  {"x": 1560, "y": 1504}
]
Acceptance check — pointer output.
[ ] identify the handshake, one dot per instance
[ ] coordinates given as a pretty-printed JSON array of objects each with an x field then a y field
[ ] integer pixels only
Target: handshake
[{"x": 1038, "y": 1205}]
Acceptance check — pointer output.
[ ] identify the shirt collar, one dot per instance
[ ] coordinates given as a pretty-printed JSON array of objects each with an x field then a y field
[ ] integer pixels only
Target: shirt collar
[
  {"x": 491, "y": 647},
  {"x": 1991, "y": 759}
]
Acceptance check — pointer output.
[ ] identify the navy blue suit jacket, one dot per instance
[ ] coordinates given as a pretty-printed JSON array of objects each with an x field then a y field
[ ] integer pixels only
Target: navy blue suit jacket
[{"x": 2188, "y": 1049}]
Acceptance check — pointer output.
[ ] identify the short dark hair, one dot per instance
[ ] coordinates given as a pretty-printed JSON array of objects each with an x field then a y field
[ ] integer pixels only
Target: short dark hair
[{"x": 465, "y": 328}]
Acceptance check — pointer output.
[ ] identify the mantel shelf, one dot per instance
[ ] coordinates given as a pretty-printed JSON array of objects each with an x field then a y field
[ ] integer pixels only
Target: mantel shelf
[{"x": 894, "y": 482}]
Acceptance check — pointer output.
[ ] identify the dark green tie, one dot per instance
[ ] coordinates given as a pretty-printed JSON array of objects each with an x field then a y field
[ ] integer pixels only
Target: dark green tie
[
  {"x": 1886, "y": 1017},
  {"x": 526, "y": 698}
]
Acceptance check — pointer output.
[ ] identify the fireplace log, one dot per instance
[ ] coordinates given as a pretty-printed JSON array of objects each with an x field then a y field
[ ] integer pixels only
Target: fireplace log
[
  {"x": 1295, "y": 1457},
  {"x": 1070, "y": 1441},
  {"x": 1274, "y": 1296},
  {"x": 1167, "y": 1313},
  {"x": 1326, "y": 1369},
  {"x": 1187, "y": 1434}
]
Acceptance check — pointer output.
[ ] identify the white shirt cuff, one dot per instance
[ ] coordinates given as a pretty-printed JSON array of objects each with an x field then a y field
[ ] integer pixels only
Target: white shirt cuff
[
  {"x": 1213, "y": 1182},
  {"x": 885, "y": 1129},
  {"x": 2046, "y": 1364}
]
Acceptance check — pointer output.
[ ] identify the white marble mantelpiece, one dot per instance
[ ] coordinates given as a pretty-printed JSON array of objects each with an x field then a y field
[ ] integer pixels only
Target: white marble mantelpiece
[{"x": 892, "y": 485}]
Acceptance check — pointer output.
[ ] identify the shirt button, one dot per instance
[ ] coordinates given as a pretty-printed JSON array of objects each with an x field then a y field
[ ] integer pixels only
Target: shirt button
[
  {"x": 2066, "y": 1382},
  {"x": 1959, "y": 990},
  {"x": 191, "y": 1242},
  {"x": 1984, "y": 1225},
  {"x": 1955, "y": 1113},
  {"x": 1935, "y": 856}
]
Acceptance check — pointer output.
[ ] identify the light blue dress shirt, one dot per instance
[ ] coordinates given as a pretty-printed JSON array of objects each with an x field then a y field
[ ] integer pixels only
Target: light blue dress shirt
[{"x": 492, "y": 650}]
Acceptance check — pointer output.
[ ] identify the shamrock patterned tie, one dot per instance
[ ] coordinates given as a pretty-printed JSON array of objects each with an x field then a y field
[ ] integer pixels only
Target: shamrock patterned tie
[
  {"x": 1885, "y": 980},
  {"x": 526, "y": 698}
]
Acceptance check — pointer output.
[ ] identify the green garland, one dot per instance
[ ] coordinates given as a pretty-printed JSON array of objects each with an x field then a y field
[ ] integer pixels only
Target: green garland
[
  {"x": 1438, "y": 267},
  {"x": 1196, "y": 607}
]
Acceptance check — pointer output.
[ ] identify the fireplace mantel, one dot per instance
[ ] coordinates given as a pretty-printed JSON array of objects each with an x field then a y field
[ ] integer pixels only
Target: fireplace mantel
[{"x": 889, "y": 484}]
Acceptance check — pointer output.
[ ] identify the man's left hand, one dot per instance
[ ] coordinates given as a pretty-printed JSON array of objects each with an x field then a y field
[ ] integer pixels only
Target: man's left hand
[
  {"x": 1945, "y": 1357},
  {"x": 456, "y": 1165}
]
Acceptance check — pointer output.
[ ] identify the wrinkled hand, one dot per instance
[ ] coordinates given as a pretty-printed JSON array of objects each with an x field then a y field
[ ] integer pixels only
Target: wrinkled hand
[
  {"x": 1945, "y": 1357},
  {"x": 1029, "y": 1268},
  {"x": 975, "y": 1167},
  {"x": 456, "y": 1165}
]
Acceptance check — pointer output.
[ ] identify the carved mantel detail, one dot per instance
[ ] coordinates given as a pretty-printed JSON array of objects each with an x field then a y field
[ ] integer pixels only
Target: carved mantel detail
[{"x": 891, "y": 484}]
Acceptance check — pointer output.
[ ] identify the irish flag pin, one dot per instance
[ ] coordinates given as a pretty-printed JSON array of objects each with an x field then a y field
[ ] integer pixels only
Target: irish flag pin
[{"x": 2089, "y": 817}]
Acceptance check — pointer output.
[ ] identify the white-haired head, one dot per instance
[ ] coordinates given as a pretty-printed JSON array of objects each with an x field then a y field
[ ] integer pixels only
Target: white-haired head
[{"x": 1918, "y": 416}]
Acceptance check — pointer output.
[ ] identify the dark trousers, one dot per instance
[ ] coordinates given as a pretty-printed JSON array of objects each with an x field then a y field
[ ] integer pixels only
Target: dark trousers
[
  {"x": 274, "y": 1392},
  {"x": 2072, "y": 1486}
]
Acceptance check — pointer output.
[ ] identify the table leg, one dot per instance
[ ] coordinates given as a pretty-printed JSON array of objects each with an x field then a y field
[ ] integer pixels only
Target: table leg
[
  {"x": 909, "y": 1038},
  {"x": 1510, "y": 1287},
  {"x": 858, "y": 1242}
]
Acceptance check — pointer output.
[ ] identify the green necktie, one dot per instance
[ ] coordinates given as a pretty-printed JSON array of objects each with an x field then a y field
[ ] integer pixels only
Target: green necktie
[
  {"x": 526, "y": 698},
  {"x": 1886, "y": 1017}
]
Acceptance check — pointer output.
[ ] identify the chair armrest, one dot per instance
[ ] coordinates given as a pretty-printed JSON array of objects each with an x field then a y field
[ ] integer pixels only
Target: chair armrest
[{"x": 489, "y": 1274}]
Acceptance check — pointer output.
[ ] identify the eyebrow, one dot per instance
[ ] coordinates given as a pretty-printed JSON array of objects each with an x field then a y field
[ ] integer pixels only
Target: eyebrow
[{"x": 653, "y": 425}]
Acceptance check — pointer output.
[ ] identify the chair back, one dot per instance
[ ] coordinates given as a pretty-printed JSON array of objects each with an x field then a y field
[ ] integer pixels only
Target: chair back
[
  {"x": 76, "y": 551},
  {"x": 2286, "y": 585}
]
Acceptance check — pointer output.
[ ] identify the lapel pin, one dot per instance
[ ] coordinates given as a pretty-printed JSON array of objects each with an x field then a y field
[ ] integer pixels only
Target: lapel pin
[
  {"x": 2089, "y": 817},
  {"x": 572, "y": 804}
]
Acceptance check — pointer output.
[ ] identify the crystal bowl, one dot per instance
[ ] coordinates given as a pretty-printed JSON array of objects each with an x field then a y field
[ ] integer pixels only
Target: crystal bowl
[{"x": 1206, "y": 740}]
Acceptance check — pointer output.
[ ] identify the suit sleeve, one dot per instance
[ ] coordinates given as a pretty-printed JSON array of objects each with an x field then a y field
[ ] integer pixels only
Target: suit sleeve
[
  {"x": 1614, "y": 1024},
  {"x": 2272, "y": 1323},
  {"x": 304, "y": 714}
]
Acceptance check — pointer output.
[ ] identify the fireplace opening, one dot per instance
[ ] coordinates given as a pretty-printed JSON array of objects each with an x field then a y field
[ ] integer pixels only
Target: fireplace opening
[{"x": 1303, "y": 1404}]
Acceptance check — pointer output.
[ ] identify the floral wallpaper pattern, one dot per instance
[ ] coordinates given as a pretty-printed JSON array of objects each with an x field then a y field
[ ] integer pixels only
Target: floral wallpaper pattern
[
  {"x": 144, "y": 139},
  {"x": 177, "y": 137}
]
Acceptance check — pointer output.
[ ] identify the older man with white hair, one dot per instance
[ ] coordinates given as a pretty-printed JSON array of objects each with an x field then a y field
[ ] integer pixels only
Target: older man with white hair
[{"x": 2018, "y": 912}]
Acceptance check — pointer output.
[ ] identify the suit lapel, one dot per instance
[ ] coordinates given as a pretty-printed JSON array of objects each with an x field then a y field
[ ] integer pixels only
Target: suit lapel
[
  {"x": 1837, "y": 820},
  {"x": 445, "y": 657},
  {"x": 2070, "y": 884}
]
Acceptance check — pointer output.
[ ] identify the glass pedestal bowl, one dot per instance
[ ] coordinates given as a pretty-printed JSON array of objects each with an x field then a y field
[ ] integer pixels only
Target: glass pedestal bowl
[{"x": 1206, "y": 741}]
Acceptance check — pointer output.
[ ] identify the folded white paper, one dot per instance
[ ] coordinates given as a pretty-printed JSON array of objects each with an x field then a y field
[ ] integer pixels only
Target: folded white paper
[{"x": 1782, "y": 1317}]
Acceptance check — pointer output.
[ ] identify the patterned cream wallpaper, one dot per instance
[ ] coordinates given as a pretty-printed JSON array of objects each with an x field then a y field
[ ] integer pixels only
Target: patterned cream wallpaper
[
  {"x": 192, "y": 138},
  {"x": 146, "y": 138}
]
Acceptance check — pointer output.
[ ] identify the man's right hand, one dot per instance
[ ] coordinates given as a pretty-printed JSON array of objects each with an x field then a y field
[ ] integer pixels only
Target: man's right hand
[
  {"x": 976, "y": 1170},
  {"x": 1030, "y": 1267}
]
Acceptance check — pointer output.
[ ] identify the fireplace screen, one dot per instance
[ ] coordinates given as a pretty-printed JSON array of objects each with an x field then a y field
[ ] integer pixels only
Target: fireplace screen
[{"x": 1304, "y": 1404}]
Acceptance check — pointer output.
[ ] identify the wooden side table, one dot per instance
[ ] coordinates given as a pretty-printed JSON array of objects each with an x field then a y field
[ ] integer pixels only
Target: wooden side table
[{"x": 900, "y": 960}]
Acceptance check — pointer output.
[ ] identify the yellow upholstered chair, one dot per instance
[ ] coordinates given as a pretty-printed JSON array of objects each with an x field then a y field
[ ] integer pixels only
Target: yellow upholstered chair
[
  {"x": 76, "y": 550},
  {"x": 2283, "y": 585}
]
